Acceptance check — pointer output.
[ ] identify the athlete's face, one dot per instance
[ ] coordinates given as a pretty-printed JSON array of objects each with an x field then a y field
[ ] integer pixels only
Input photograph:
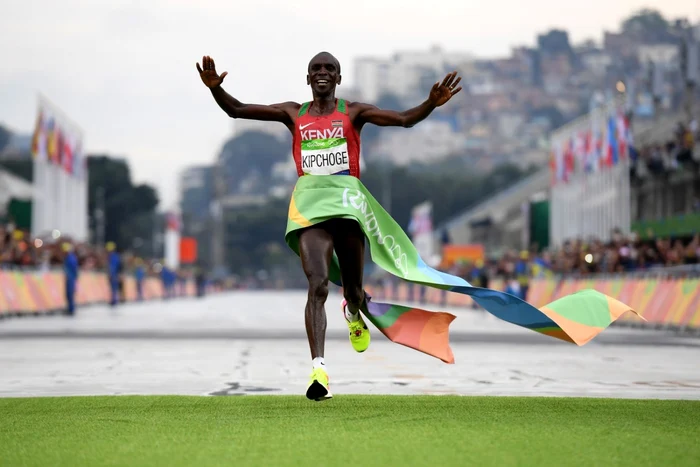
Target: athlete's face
[{"x": 324, "y": 74}]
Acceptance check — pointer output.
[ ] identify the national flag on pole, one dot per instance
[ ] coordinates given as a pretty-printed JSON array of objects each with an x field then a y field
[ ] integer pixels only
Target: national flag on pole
[
  {"x": 77, "y": 160},
  {"x": 579, "y": 151},
  {"x": 37, "y": 136},
  {"x": 172, "y": 222},
  {"x": 597, "y": 150},
  {"x": 624, "y": 135},
  {"x": 60, "y": 202},
  {"x": 61, "y": 141},
  {"x": 67, "y": 154},
  {"x": 52, "y": 140},
  {"x": 561, "y": 169},
  {"x": 613, "y": 154},
  {"x": 569, "y": 160},
  {"x": 553, "y": 167},
  {"x": 589, "y": 150}
]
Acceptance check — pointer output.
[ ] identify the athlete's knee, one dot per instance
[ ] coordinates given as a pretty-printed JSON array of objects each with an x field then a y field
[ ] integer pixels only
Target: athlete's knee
[
  {"x": 354, "y": 295},
  {"x": 318, "y": 288}
]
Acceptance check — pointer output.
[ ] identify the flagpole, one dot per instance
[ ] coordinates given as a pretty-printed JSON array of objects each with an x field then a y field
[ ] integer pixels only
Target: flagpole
[{"x": 37, "y": 173}]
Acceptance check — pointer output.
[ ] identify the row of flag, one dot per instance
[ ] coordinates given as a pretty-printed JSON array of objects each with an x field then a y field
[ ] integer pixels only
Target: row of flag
[
  {"x": 55, "y": 142},
  {"x": 604, "y": 144}
]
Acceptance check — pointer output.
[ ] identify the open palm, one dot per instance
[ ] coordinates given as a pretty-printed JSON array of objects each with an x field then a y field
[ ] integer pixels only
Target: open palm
[
  {"x": 443, "y": 92},
  {"x": 209, "y": 76}
]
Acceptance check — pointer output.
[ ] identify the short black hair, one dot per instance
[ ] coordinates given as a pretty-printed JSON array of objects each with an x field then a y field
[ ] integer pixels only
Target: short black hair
[{"x": 335, "y": 60}]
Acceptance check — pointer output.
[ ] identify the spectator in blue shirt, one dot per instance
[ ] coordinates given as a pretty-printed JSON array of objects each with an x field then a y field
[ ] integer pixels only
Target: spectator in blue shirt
[{"x": 70, "y": 268}]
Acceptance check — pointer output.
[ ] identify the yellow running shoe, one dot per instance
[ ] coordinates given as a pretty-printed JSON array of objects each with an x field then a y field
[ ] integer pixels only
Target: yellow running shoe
[
  {"x": 359, "y": 334},
  {"x": 319, "y": 389}
]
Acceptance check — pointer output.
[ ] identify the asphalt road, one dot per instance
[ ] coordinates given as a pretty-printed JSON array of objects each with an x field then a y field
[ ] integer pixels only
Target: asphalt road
[{"x": 254, "y": 343}]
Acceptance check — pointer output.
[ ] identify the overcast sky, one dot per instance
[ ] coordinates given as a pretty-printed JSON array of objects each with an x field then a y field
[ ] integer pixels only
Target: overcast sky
[{"x": 124, "y": 71}]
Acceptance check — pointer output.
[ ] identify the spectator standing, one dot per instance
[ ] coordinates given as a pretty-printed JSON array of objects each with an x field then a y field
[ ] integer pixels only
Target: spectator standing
[{"x": 70, "y": 269}]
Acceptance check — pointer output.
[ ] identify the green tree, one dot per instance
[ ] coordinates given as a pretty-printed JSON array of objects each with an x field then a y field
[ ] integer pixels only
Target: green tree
[
  {"x": 129, "y": 209},
  {"x": 249, "y": 158},
  {"x": 22, "y": 168},
  {"x": 252, "y": 233},
  {"x": 5, "y": 136}
]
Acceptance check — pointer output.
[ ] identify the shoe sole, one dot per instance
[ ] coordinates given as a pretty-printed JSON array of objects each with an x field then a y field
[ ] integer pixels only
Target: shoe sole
[
  {"x": 359, "y": 351},
  {"x": 317, "y": 392}
]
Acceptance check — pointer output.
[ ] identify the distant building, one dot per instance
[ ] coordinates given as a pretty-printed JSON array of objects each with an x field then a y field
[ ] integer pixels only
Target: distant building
[
  {"x": 196, "y": 196},
  {"x": 406, "y": 74},
  {"x": 596, "y": 62},
  {"x": 431, "y": 141},
  {"x": 196, "y": 190},
  {"x": 664, "y": 55},
  {"x": 554, "y": 42},
  {"x": 620, "y": 45},
  {"x": 531, "y": 64},
  {"x": 502, "y": 221}
]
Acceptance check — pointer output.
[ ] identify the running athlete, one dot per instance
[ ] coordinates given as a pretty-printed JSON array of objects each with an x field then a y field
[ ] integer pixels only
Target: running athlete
[{"x": 326, "y": 141}]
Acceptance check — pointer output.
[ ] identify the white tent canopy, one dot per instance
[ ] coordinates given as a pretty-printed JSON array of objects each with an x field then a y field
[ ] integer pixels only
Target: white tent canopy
[{"x": 13, "y": 187}]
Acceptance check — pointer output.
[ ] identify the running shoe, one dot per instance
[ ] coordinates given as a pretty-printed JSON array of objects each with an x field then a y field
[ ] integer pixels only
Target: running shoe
[
  {"x": 359, "y": 334},
  {"x": 318, "y": 387}
]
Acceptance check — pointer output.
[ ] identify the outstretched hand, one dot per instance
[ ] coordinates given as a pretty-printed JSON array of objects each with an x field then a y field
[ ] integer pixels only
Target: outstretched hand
[
  {"x": 443, "y": 92},
  {"x": 209, "y": 76}
]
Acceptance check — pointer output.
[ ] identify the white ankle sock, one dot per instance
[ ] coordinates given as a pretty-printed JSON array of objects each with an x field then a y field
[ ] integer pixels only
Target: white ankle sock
[
  {"x": 318, "y": 362},
  {"x": 350, "y": 316}
]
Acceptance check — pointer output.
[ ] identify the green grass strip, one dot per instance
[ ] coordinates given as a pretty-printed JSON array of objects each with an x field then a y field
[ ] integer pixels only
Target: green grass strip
[{"x": 348, "y": 430}]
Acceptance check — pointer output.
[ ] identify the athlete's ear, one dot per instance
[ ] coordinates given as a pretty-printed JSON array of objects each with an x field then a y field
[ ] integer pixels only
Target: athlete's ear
[
  {"x": 308, "y": 80},
  {"x": 338, "y": 80}
]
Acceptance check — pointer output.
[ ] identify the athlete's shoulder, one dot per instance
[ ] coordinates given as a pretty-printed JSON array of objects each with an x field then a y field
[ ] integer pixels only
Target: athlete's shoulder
[
  {"x": 357, "y": 108},
  {"x": 290, "y": 109},
  {"x": 289, "y": 105},
  {"x": 359, "y": 105}
]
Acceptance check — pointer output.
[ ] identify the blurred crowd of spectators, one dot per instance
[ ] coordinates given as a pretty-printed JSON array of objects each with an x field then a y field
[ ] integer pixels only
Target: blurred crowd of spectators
[
  {"x": 578, "y": 257},
  {"x": 624, "y": 254},
  {"x": 18, "y": 250},
  {"x": 676, "y": 153}
]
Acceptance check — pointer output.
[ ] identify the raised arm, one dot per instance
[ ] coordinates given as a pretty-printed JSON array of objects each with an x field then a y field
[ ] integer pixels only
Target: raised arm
[
  {"x": 439, "y": 95},
  {"x": 236, "y": 109}
]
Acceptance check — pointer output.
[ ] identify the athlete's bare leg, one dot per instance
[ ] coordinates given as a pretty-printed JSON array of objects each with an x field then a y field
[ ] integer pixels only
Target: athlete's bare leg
[
  {"x": 316, "y": 251},
  {"x": 349, "y": 241}
]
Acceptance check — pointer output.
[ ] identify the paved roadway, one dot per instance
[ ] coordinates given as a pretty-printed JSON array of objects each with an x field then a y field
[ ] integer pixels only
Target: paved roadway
[{"x": 254, "y": 343}]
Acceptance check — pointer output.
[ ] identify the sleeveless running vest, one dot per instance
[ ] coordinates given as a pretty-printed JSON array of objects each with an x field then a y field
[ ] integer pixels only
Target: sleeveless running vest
[{"x": 327, "y": 145}]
